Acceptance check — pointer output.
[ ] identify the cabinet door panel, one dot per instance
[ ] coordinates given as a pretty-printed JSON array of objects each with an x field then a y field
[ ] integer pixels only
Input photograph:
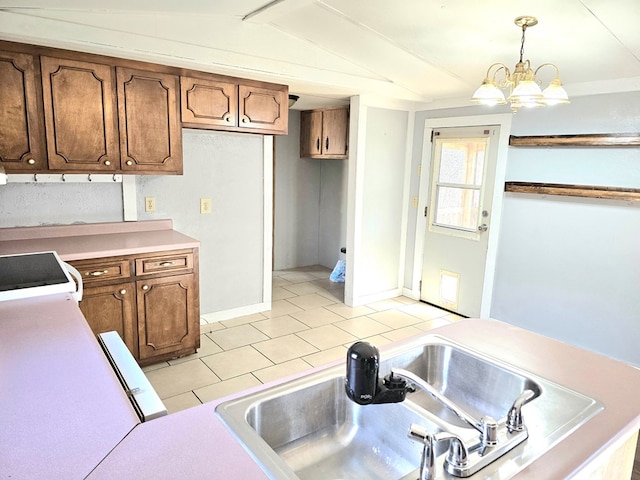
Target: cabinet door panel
[
  {"x": 208, "y": 102},
  {"x": 150, "y": 131},
  {"x": 80, "y": 115},
  {"x": 335, "y": 128},
  {"x": 310, "y": 133},
  {"x": 263, "y": 109},
  {"x": 111, "y": 308},
  {"x": 167, "y": 315},
  {"x": 21, "y": 134}
]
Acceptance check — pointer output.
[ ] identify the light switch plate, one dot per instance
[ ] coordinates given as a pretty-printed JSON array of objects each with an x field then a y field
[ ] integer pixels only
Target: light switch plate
[{"x": 205, "y": 205}]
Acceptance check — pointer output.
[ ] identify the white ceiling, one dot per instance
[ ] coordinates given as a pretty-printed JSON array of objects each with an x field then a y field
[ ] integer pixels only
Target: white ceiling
[{"x": 419, "y": 50}]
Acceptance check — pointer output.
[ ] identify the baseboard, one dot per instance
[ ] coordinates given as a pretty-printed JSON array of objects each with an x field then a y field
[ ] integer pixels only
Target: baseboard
[
  {"x": 412, "y": 294},
  {"x": 236, "y": 312},
  {"x": 376, "y": 297}
]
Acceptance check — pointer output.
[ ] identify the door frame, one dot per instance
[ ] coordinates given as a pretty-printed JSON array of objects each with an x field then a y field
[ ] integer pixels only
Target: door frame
[{"x": 430, "y": 124}]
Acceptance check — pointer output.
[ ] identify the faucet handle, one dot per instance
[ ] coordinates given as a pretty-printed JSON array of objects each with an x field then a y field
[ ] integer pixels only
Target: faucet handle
[
  {"x": 457, "y": 457},
  {"x": 428, "y": 460},
  {"x": 515, "y": 422}
]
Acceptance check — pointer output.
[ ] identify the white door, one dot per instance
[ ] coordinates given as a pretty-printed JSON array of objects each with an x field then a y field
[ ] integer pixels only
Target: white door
[{"x": 463, "y": 166}]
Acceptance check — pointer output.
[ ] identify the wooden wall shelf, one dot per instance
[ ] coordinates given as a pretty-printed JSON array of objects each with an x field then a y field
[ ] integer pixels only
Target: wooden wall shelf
[
  {"x": 588, "y": 191},
  {"x": 586, "y": 140}
]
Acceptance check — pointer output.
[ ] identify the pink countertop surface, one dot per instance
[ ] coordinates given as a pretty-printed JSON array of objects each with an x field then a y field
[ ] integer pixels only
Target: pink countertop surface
[
  {"x": 194, "y": 444},
  {"x": 62, "y": 409},
  {"x": 83, "y": 241}
]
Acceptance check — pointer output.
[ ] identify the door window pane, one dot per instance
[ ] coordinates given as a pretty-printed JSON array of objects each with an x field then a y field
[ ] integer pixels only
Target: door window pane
[
  {"x": 457, "y": 207},
  {"x": 462, "y": 162},
  {"x": 458, "y": 182}
]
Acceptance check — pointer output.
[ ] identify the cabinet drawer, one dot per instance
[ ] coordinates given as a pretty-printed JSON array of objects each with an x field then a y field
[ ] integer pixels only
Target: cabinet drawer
[
  {"x": 181, "y": 261},
  {"x": 104, "y": 269}
]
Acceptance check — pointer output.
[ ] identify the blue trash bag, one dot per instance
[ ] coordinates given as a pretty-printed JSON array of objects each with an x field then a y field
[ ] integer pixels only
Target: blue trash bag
[{"x": 338, "y": 272}]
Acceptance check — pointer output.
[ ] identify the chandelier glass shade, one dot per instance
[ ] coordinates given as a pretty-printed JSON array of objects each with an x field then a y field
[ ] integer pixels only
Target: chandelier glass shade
[{"x": 522, "y": 85}]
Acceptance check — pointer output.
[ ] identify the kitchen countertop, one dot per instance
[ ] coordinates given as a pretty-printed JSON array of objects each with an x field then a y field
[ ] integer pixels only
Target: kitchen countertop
[
  {"x": 194, "y": 444},
  {"x": 95, "y": 240},
  {"x": 62, "y": 409}
]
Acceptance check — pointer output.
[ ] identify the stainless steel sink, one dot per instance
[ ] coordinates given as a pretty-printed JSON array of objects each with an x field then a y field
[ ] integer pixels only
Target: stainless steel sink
[
  {"x": 309, "y": 429},
  {"x": 333, "y": 438}
]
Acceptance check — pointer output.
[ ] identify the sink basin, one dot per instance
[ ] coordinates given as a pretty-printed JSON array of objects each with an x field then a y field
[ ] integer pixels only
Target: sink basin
[
  {"x": 309, "y": 429},
  {"x": 334, "y": 438}
]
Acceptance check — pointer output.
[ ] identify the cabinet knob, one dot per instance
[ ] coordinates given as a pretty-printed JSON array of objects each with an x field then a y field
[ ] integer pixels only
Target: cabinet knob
[
  {"x": 145, "y": 287},
  {"x": 107, "y": 162},
  {"x": 123, "y": 291},
  {"x": 326, "y": 144},
  {"x": 166, "y": 264},
  {"x": 129, "y": 162},
  {"x": 318, "y": 144},
  {"x": 31, "y": 161}
]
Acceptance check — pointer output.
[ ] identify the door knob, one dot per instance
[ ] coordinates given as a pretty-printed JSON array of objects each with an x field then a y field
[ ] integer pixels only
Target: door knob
[{"x": 483, "y": 228}]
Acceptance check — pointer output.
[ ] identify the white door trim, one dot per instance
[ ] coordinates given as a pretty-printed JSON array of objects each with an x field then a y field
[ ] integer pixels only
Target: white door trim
[{"x": 504, "y": 121}]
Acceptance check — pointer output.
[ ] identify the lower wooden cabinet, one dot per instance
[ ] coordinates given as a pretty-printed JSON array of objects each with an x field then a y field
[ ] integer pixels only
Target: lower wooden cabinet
[
  {"x": 152, "y": 300},
  {"x": 166, "y": 316},
  {"x": 112, "y": 307}
]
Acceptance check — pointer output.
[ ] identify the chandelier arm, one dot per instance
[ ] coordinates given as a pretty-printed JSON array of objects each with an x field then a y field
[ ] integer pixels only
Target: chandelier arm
[
  {"x": 550, "y": 65},
  {"x": 501, "y": 66}
]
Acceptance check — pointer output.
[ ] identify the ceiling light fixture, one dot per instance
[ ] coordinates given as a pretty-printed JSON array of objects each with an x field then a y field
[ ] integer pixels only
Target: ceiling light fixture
[
  {"x": 523, "y": 88},
  {"x": 292, "y": 100}
]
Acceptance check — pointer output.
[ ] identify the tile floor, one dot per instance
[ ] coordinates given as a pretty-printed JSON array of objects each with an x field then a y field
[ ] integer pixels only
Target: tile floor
[{"x": 308, "y": 325}]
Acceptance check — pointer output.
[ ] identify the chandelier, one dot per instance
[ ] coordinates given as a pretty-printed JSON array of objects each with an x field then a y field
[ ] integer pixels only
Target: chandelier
[{"x": 524, "y": 90}]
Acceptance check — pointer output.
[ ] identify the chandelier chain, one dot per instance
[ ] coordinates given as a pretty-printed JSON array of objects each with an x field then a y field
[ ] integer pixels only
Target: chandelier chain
[{"x": 524, "y": 27}]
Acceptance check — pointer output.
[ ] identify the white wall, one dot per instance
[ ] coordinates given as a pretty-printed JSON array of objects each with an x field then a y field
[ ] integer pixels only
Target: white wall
[
  {"x": 332, "y": 221},
  {"x": 570, "y": 267},
  {"x": 228, "y": 168},
  {"x": 297, "y": 201},
  {"x": 377, "y": 177},
  {"x": 33, "y": 204}
]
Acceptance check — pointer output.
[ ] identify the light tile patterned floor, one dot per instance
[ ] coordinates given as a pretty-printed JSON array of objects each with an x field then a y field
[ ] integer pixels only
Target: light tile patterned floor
[{"x": 307, "y": 326}]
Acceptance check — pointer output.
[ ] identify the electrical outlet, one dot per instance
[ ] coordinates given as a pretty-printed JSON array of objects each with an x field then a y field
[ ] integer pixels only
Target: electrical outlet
[
  {"x": 149, "y": 204},
  {"x": 205, "y": 205}
]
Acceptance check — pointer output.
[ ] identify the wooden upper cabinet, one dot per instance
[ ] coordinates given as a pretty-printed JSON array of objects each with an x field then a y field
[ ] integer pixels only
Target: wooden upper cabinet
[
  {"x": 310, "y": 133},
  {"x": 335, "y": 131},
  {"x": 324, "y": 133},
  {"x": 264, "y": 110},
  {"x": 21, "y": 133},
  {"x": 150, "y": 130},
  {"x": 208, "y": 103},
  {"x": 223, "y": 105},
  {"x": 80, "y": 115}
]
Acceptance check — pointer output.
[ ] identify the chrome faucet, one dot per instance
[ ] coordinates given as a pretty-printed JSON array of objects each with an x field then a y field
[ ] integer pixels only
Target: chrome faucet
[
  {"x": 363, "y": 386},
  {"x": 487, "y": 426}
]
